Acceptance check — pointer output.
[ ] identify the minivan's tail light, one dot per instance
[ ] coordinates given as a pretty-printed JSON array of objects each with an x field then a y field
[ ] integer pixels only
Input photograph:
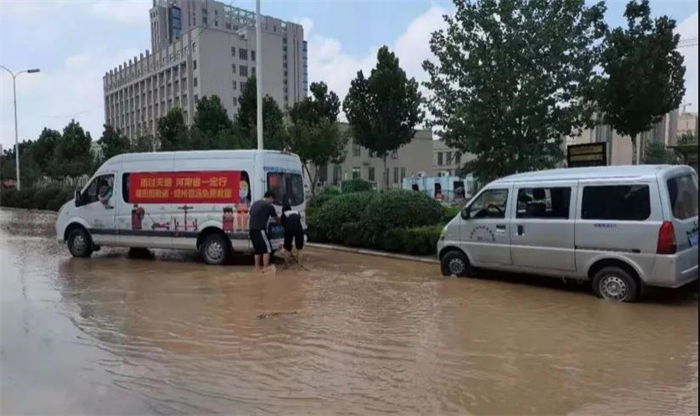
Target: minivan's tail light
[{"x": 667, "y": 239}]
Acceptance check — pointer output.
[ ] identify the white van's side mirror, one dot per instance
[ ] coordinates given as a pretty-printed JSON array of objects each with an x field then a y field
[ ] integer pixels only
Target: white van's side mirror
[
  {"x": 77, "y": 198},
  {"x": 466, "y": 213}
]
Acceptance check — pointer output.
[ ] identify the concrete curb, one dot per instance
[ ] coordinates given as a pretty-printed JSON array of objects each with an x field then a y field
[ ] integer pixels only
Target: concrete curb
[{"x": 426, "y": 260}]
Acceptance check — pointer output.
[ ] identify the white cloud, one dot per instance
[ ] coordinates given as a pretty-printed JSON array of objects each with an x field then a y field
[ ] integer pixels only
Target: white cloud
[
  {"x": 329, "y": 63},
  {"x": 688, "y": 29},
  {"x": 124, "y": 12}
]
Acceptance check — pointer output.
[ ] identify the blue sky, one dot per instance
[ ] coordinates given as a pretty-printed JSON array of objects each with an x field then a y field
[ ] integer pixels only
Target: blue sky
[{"x": 75, "y": 41}]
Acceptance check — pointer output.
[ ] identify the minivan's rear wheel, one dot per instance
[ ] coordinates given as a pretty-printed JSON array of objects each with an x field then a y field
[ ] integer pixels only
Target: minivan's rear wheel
[
  {"x": 455, "y": 263},
  {"x": 215, "y": 249},
  {"x": 79, "y": 243},
  {"x": 616, "y": 284}
]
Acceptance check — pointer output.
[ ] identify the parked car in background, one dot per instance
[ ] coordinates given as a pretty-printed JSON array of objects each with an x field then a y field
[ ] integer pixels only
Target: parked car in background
[{"x": 622, "y": 228}]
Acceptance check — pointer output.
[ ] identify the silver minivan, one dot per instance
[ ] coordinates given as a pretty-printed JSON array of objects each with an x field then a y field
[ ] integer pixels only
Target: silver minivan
[{"x": 620, "y": 227}]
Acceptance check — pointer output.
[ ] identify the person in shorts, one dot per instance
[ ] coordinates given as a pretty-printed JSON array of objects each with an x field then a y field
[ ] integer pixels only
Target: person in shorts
[
  {"x": 260, "y": 213},
  {"x": 293, "y": 233}
]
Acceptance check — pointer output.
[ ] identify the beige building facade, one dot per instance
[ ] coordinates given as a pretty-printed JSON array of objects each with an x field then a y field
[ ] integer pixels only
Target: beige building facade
[
  {"x": 619, "y": 147},
  {"x": 203, "y": 48},
  {"x": 412, "y": 159}
]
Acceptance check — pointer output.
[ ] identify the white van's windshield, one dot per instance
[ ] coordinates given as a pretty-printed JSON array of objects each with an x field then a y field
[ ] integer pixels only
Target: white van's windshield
[
  {"x": 287, "y": 187},
  {"x": 683, "y": 193}
]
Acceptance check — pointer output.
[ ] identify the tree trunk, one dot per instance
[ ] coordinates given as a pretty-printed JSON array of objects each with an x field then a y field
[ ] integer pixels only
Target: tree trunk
[
  {"x": 635, "y": 149},
  {"x": 312, "y": 180},
  {"x": 386, "y": 175}
]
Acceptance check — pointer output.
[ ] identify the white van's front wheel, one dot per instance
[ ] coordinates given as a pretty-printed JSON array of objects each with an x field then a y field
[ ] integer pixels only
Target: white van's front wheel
[
  {"x": 79, "y": 243},
  {"x": 616, "y": 284},
  {"x": 455, "y": 263},
  {"x": 215, "y": 249}
]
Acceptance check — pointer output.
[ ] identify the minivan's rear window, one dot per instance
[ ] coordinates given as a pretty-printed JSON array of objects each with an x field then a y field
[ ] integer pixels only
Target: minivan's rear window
[
  {"x": 683, "y": 193},
  {"x": 616, "y": 202}
]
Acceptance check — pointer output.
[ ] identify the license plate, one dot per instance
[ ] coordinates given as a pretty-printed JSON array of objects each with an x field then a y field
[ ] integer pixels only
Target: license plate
[{"x": 693, "y": 239}]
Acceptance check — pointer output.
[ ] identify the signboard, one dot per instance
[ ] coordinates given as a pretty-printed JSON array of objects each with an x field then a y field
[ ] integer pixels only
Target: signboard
[
  {"x": 589, "y": 154},
  {"x": 184, "y": 187}
]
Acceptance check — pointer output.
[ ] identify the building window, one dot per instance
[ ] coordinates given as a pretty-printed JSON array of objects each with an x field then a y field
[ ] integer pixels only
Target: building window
[
  {"x": 396, "y": 175},
  {"x": 234, "y": 85},
  {"x": 394, "y": 154},
  {"x": 356, "y": 173},
  {"x": 370, "y": 174},
  {"x": 194, "y": 81},
  {"x": 196, "y": 98},
  {"x": 243, "y": 54},
  {"x": 356, "y": 149},
  {"x": 242, "y": 85},
  {"x": 233, "y": 68},
  {"x": 323, "y": 174},
  {"x": 194, "y": 64},
  {"x": 337, "y": 174},
  {"x": 403, "y": 174},
  {"x": 243, "y": 70},
  {"x": 253, "y": 69},
  {"x": 233, "y": 51},
  {"x": 439, "y": 157},
  {"x": 235, "y": 101},
  {"x": 458, "y": 158},
  {"x": 448, "y": 158},
  {"x": 252, "y": 55}
]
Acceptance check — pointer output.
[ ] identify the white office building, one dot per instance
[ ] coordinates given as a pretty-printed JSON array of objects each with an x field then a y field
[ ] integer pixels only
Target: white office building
[{"x": 202, "y": 48}]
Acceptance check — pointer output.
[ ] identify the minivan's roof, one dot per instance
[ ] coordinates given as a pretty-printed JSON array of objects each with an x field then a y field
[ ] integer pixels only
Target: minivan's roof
[
  {"x": 188, "y": 153},
  {"x": 599, "y": 172}
]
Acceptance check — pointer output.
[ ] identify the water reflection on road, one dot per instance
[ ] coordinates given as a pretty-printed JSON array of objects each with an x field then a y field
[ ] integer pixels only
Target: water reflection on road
[{"x": 352, "y": 335}]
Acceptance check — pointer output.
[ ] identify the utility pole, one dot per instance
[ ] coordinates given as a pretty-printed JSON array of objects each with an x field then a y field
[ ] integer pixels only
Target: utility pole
[
  {"x": 258, "y": 72},
  {"x": 14, "y": 92}
]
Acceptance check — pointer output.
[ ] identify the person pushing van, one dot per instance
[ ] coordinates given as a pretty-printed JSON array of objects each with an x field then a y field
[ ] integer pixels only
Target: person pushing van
[
  {"x": 260, "y": 213},
  {"x": 293, "y": 232}
]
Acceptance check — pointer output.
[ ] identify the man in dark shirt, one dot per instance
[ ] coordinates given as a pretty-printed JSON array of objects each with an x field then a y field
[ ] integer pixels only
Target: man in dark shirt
[
  {"x": 293, "y": 233},
  {"x": 260, "y": 213}
]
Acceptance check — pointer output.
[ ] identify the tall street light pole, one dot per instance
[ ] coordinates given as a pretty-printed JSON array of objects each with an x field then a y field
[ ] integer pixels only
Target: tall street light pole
[
  {"x": 14, "y": 92},
  {"x": 258, "y": 72}
]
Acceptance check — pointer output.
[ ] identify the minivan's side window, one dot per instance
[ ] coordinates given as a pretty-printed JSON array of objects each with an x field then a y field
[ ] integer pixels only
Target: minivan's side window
[
  {"x": 125, "y": 187},
  {"x": 287, "y": 187},
  {"x": 101, "y": 185},
  {"x": 616, "y": 202},
  {"x": 545, "y": 203},
  {"x": 683, "y": 193},
  {"x": 490, "y": 204}
]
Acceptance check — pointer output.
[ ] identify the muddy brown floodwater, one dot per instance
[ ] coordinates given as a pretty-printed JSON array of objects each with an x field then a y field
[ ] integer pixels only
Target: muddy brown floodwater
[{"x": 352, "y": 335}]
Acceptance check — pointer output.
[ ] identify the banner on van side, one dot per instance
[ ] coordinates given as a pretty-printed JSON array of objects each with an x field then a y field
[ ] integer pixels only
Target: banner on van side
[{"x": 214, "y": 187}]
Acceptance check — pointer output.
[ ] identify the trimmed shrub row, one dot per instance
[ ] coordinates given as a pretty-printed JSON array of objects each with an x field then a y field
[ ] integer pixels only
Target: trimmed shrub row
[
  {"x": 398, "y": 221},
  {"x": 38, "y": 198}
]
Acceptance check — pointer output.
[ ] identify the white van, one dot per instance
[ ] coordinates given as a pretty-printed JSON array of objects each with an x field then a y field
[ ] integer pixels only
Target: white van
[
  {"x": 196, "y": 200},
  {"x": 620, "y": 227}
]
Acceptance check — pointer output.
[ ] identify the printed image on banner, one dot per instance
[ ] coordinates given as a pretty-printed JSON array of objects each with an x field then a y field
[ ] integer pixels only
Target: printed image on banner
[{"x": 215, "y": 187}]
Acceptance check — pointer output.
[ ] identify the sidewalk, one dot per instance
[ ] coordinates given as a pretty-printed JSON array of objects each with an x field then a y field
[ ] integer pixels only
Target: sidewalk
[{"x": 428, "y": 260}]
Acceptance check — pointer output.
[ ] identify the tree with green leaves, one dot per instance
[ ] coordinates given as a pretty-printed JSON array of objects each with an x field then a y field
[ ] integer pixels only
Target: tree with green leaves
[
  {"x": 313, "y": 132},
  {"x": 44, "y": 147},
  {"x": 687, "y": 138},
  {"x": 512, "y": 78},
  {"x": 657, "y": 154},
  {"x": 383, "y": 109},
  {"x": 212, "y": 125},
  {"x": 113, "y": 143},
  {"x": 644, "y": 73},
  {"x": 144, "y": 143},
  {"x": 172, "y": 132},
  {"x": 30, "y": 170},
  {"x": 73, "y": 154},
  {"x": 245, "y": 128}
]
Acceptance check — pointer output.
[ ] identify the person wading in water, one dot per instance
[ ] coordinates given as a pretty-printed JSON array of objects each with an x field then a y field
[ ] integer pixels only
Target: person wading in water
[{"x": 260, "y": 213}]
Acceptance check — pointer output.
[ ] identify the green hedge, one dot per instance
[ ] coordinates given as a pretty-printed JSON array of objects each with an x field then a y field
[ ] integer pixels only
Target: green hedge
[
  {"x": 356, "y": 185},
  {"x": 39, "y": 198},
  {"x": 340, "y": 210},
  {"x": 396, "y": 209},
  {"x": 451, "y": 212},
  {"x": 396, "y": 221},
  {"x": 325, "y": 195}
]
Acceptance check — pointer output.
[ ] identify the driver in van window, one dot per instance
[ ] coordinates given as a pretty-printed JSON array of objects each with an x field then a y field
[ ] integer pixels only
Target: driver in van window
[{"x": 104, "y": 193}]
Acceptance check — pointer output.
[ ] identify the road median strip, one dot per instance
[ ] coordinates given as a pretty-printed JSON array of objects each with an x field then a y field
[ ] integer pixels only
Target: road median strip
[{"x": 384, "y": 254}]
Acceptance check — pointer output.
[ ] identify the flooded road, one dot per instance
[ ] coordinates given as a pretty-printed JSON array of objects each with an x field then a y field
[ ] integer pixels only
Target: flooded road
[{"x": 354, "y": 335}]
